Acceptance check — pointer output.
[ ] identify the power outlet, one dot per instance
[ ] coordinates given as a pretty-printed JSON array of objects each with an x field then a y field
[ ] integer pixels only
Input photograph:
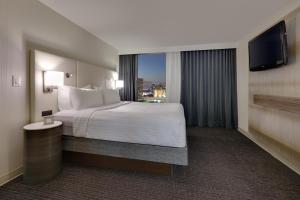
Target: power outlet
[{"x": 46, "y": 113}]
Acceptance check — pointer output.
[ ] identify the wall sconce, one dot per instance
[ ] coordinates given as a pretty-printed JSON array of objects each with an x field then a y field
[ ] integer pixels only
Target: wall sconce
[
  {"x": 52, "y": 80},
  {"x": 69, "y": 75},
  {"x": 119, "y": 84}
]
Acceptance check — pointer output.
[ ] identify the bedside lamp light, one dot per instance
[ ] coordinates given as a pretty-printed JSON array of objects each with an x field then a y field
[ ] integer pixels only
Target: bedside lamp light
[
  {"x": 52, "y": 80},
  {"x": 119, "y": 84}
]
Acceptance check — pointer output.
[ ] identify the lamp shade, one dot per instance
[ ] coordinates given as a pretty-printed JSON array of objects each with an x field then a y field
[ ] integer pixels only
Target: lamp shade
[
  {"x": 119, "y": 83},
  {"x": 53, "y": 80}
]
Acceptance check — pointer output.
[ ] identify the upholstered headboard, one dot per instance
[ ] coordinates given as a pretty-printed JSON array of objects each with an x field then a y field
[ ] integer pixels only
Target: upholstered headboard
[{"x": 82, "y": 74}]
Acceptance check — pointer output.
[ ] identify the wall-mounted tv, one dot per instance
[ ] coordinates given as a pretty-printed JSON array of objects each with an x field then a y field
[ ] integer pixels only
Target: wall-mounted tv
[{"x": 269, "y": 49}]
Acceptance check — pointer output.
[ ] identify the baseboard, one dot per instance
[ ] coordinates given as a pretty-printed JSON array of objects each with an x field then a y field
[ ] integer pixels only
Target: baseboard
[
  {"x": 284, "y": 154},
  {"x": 11, "y": 175}
]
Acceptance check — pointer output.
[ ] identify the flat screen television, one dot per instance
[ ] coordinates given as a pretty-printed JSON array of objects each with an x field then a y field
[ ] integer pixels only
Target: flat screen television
[{"x": 269, "y": 49}]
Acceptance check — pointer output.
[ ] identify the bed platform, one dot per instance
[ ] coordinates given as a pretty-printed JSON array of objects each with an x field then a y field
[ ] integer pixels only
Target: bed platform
[{"x": 126, "y": 156}]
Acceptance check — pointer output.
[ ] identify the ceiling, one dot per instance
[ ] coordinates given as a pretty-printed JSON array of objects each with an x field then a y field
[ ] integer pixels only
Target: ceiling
[{"x": 148, "y": 24}]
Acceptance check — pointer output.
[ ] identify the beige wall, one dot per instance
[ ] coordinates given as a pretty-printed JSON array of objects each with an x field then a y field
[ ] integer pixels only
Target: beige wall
[
  {"x": 242, "y": 85},
  {"x": 276, "y": 131},
  {"x": 28, "y": 24},
  {"x": 82, "y": 74}
]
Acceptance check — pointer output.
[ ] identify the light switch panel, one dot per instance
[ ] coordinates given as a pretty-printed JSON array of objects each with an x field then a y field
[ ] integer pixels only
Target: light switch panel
[{"x": 16, "y": 81}]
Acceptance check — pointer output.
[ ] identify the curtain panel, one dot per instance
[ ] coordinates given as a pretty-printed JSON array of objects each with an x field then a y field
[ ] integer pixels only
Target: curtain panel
[
  {"x": 173, "y": 77},
  {"x": 208, "y": 88},
  {"x": 128, "y": 66}
]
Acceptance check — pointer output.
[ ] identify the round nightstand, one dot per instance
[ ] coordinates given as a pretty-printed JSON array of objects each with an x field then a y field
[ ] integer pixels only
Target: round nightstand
[{"x": 42, "y": 151}]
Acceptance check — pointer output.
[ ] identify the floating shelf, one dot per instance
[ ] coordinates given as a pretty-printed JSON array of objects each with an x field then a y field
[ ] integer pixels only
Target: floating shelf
[{"x": 288, "y": 104}]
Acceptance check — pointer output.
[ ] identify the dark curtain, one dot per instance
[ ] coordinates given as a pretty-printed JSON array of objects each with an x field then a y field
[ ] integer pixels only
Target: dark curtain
[
  {"x": 128, "y": 67},
  {"x": 208, "y": 89}
]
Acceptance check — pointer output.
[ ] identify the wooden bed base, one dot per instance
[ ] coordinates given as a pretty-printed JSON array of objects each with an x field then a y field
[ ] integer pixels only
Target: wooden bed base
[
  {"x": 117, "y": 163},
  {"x": 124, "y": 156}
]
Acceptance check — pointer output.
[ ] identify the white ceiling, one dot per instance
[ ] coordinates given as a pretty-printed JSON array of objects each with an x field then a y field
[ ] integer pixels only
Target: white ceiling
[{"x": 149, "y": 24}]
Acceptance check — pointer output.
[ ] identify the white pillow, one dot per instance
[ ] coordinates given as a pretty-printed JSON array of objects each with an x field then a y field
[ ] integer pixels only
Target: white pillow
[
  {"x": 82, "y": 99},
  {"x": 111, "y": 96},
  {"x": 63, "y": 97}
]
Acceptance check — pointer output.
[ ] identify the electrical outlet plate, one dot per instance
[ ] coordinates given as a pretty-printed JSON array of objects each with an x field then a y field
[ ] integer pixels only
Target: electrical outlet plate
[{"x": 46, "y": 113}]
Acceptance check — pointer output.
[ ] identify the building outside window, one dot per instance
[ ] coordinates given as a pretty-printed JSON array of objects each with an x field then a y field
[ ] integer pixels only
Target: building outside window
[{"x": 151, "y": 82}]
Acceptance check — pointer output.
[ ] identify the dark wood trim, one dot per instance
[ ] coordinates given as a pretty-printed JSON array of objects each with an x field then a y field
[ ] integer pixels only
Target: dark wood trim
[
  {"x": 42, "y": 154},
  {"x": 288, "y": 104},
  {"x": 117, "y": 163}
]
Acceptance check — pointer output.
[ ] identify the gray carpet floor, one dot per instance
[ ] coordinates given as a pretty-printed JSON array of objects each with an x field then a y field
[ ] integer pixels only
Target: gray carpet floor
[{"x": 223, "y": 165}]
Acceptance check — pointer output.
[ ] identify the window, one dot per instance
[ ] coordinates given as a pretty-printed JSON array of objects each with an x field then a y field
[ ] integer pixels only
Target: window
[{"x": 151, "y": 83}]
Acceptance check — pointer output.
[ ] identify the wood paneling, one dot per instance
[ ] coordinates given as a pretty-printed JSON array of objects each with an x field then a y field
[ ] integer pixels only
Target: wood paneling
[
  {"x": 117, "y": 163},
  {"x": 280, "y": 151},
  {"x": 289, "y": 104},
  {"x": 274, "y": 102},
  {"x": 42, "y": 154}
]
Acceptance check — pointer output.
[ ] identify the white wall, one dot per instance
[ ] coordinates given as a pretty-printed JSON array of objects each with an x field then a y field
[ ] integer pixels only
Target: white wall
[{"x": 28, "y": 24}]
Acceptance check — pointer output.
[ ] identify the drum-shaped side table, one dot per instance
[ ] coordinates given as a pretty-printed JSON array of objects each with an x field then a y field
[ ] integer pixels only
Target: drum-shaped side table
[{"x": 42, "y": 151}]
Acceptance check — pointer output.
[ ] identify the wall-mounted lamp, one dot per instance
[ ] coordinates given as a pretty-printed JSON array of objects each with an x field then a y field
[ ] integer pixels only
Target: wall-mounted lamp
[
  {"x": 119, "y": 84},
  {"x": 69, "y": 75},
  {"x": 52, "y": 80}
]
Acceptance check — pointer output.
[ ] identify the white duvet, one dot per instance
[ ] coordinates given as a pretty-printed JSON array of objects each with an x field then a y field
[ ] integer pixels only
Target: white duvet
[{"x": 144, "y": 123}]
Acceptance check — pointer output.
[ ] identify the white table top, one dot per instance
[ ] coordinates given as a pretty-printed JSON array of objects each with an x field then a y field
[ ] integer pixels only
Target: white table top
[{"x": 41, "y": 126}]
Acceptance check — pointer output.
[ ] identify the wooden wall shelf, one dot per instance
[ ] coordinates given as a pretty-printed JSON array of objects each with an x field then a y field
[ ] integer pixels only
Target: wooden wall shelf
[{"x": 288, "y": 104}]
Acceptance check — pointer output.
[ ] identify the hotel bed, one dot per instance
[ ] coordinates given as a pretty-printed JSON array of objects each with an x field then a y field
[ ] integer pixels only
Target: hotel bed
[
  {"x": 132, "y": 122},
  {"x": 100, "y": 129},
  {"x": 134, "y": 130}
]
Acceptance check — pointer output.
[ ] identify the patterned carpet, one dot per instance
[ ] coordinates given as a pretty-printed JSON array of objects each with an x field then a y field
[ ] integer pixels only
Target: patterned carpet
[{"x": 223, "y": 165}]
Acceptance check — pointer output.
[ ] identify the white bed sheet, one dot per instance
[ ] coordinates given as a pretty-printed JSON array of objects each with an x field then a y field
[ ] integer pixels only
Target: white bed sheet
[
  {"x": 66, "y": 116},
  {"x": 133, "y": 122}
]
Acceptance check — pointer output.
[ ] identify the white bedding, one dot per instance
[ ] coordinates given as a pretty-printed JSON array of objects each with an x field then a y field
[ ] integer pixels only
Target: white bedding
[
  {"x": 133, "y": 122},
  {"x": 66, "y": 116}
]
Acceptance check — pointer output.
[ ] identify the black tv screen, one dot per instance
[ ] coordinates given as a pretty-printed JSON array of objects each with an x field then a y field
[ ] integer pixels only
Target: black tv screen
[{"x": 269, "y": 49}]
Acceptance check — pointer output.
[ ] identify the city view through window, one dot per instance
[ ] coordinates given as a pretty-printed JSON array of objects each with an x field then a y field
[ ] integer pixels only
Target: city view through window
[{"x": 151, "y": 83}]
